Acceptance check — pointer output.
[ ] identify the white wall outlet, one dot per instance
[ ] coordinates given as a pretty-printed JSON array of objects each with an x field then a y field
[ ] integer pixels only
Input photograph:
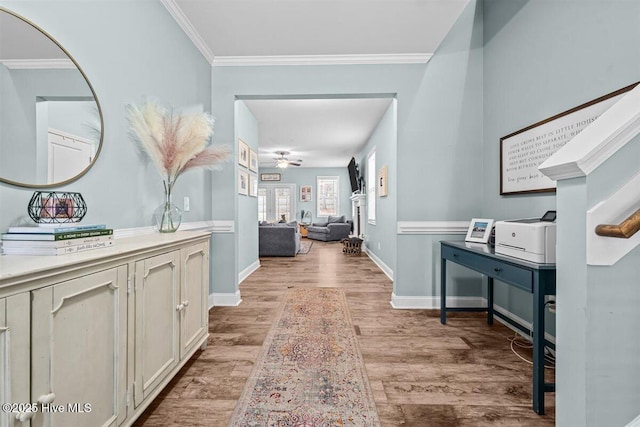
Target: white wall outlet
[
  {"x": 186, "y": 204},
  {"x": 378, "y": 245}
]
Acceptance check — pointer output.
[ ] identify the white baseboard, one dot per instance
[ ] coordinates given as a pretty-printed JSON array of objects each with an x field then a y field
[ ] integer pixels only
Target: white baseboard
[
  {"x": 519, "y": 320},
  {"x": 248, "y": 271},
  {"x": 433, "y": 302},
  {"x": 224, "y": 299},
  {"x": 381, "y": 265}
]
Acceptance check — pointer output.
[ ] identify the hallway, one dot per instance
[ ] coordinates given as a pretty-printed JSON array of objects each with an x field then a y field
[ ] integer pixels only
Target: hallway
[{"x": 421, "y": 373}]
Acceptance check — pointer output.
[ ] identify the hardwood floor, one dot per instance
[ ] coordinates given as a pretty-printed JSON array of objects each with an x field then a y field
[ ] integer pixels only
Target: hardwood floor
[{"x": 422, "y": 373}]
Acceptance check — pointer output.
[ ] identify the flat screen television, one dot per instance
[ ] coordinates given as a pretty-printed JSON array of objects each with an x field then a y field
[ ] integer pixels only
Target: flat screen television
[{"x": 353, "y": 175}]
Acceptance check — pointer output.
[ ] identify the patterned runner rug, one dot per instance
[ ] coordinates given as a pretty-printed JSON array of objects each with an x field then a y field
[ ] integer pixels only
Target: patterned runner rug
[
  {"x": 310, "y": 371},
  {"x": 305, "y": 246}
]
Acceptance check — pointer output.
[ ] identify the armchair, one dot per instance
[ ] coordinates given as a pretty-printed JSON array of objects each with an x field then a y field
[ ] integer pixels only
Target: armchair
[{"x": 337, "y": 228}]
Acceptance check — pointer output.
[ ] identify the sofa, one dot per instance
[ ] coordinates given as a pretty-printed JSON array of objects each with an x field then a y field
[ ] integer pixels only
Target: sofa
[
  {"x": 336, "y": 228},
  {"x": 279, "y": 239}
]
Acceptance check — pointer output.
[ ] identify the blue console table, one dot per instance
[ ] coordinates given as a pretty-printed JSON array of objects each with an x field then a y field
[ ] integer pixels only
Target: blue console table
[{"x": 538, "y": 279}]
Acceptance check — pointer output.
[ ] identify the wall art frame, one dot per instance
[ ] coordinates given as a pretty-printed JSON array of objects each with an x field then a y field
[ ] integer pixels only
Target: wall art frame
[
  {"x": 243, "y": 183},
  {"x": 521, "y": 152},
  {"x": 253, "y": 161},
  {"x": 305, "y": 193},
  {"x": 253, "y": 186},
  {"x": 243, "y": 153},
  {"x": 383, "y": 190}
]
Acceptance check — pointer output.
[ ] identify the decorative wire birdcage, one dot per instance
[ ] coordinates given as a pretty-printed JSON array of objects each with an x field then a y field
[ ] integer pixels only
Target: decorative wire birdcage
[{"x": 56, "y": 207}]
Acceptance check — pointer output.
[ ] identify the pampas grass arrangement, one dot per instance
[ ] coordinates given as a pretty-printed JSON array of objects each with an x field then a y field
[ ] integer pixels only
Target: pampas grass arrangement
[{"x": 175, "y": 143}]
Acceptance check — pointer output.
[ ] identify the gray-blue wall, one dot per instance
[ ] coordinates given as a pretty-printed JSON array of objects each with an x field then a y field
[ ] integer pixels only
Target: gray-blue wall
[
  {"x": 439, "y": 131},
  {"x": 542, "y": 58},
  {"x": 133, "y": 50},
  {"x": 380, "y": 238},
  {"x": 307, "y": 176},
  {"x": 440, "y": 155},
  {"x": 247, "y": 219}
]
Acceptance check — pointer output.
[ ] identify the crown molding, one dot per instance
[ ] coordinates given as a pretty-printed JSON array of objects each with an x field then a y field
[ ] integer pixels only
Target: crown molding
[
  {"x": 392, "y": 58},
  {"x": 189, "y": 29},
  {"x": 38, "y": 64},
  {"x": 598, "y": 141}
]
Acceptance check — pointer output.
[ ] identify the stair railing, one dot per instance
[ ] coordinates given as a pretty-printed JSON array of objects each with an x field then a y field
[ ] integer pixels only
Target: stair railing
[{"x": 624, "y": 230}]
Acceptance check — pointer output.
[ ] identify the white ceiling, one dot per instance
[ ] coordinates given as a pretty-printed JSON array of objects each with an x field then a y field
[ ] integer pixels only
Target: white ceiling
[
  {"x": 320, "y": 27},
  {"x": 321, "y": 132}
]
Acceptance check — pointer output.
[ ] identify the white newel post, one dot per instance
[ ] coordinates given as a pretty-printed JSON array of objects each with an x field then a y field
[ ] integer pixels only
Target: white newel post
[{"x": 357, "y": 212}]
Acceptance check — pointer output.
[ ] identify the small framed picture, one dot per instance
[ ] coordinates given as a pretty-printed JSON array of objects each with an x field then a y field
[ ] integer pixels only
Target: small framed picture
[
  {"x": 55, "y": 207},
  {"x": 382, "y": 181},
  {"x": 243, "y": 183},
  {"x": 253, "y": 186},
  {"x": 479, "y": 230},
  {"x": 269, "y": 177},
  {"x": 253, "y": 161},
  {"x": 305, "y": 193},
  {"x": 243, "y": 153}
]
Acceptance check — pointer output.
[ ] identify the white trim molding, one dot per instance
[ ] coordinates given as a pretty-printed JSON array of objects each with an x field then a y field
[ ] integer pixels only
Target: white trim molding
[
  {"x": 519, "y": 320},
  {"x": 213, "y": 226},
  {"x": 381, "y": 265},
  {"x": 248, "y": 271},
  {"x": 609, "y": 250},
  {"x": 39, "y": 64},
  {"x": 400, "y": 58},
  {"x": 224, "y": 299},
  {"x": 184, "y": 23},
  {"x": 433, "y": 227},
  {"x": 598, "y": 141},
  {"x": 433, "y": 302}
]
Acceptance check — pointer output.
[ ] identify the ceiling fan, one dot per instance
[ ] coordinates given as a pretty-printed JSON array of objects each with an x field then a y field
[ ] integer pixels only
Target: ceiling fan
[{"x": 282, "y": 162}]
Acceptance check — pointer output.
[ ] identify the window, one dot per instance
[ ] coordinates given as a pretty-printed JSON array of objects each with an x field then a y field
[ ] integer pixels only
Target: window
[
  {"x": 275, "y": 200},
  {"x": 328, "y": 195},
  {"x": 371, "y": 187}
]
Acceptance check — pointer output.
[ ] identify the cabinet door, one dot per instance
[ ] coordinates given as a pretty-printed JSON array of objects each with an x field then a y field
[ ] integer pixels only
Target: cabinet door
[
  {"x": 156, "y": 343},
  {"x": 79, "y": 350},
  {"x": 194, "y": 296},
  {"x": 15, "y": 326}
]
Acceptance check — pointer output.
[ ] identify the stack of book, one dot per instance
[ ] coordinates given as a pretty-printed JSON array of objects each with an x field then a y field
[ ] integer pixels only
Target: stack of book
[{"x": 56, "y": 239}]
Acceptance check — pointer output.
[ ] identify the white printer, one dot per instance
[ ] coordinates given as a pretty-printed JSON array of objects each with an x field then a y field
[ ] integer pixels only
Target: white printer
[{"x": 533, "y": 239}]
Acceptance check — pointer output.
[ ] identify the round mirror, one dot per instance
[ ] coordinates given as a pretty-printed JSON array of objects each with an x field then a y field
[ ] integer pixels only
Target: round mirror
[{"x": 51, "y": 125}]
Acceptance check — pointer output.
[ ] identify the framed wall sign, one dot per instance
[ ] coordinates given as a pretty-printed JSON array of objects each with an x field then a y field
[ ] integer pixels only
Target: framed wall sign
[
  {"x": 269, "y": 177},
  {"x": 479, "y": 230},
  {"x": 523, "y": 151},
  {"x": 243, "y": 153}
]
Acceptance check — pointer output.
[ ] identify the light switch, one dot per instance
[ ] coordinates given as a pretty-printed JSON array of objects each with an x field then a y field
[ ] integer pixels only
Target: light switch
[{"x": 186, "y": 204}]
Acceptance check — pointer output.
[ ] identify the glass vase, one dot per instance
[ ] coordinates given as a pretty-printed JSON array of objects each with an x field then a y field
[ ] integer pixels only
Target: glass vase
[{"x": 167, "y": 216}]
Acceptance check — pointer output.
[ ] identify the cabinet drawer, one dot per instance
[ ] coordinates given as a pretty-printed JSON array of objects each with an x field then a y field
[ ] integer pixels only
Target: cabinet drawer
[{"x": 502, "y": 271}]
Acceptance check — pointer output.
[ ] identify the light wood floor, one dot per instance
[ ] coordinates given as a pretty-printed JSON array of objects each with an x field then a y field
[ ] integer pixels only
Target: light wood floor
[{"x": 422, "y": 373}]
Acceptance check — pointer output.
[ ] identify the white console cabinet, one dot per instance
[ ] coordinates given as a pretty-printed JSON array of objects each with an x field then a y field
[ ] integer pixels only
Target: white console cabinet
[{"x": 94, "y": 337}]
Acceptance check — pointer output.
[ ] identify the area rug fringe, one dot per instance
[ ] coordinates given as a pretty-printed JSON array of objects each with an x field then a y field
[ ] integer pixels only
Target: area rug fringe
[{"x": 310, "y": 370}]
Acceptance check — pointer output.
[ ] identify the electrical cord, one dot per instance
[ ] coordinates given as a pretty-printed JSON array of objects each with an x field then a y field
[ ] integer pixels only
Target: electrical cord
[{"x": 517, "y": 341}]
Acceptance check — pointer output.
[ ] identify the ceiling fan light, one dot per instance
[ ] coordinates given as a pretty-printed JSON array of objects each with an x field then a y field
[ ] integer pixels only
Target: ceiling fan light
[{"x": 282, "y": 163}]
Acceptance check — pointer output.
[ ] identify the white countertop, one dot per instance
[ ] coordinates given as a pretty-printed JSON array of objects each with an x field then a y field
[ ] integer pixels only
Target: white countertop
[{"x": 14, "y": 266}]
